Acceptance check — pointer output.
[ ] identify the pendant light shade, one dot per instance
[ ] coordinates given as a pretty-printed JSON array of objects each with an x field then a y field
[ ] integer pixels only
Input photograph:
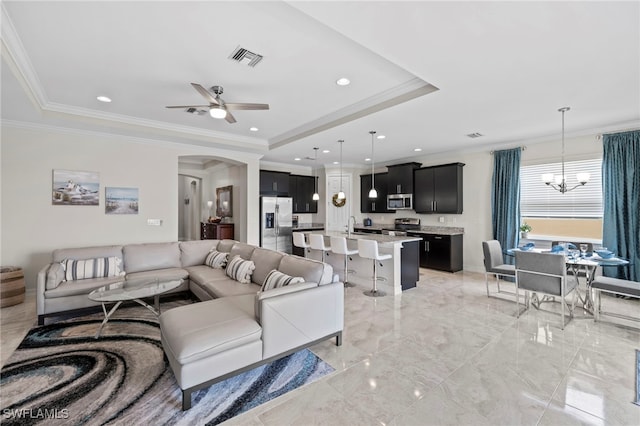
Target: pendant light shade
[
  {"x": 559, "y": 182},
  {"x": 372, "y": 192},
  {"x": 316, "y": 196},
  {"x": 217, "y": 112},
  {"x": 341, "y": 194}
]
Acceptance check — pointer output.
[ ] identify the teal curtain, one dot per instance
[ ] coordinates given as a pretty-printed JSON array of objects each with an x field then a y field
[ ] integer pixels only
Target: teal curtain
[
  {"x": 621, "y": 193},
  {"x": 505, "y": 198}
]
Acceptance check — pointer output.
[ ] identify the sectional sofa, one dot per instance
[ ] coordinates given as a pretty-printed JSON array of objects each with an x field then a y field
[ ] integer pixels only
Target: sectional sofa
[{"x": 235, "y": 326}]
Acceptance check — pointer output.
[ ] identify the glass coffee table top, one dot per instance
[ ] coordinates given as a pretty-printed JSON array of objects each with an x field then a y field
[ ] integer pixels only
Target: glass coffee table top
[{"x": 132, "y": 290}]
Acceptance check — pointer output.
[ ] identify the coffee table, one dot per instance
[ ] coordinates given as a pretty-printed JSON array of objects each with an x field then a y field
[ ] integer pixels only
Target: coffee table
[{"x": 132, "y": 290}]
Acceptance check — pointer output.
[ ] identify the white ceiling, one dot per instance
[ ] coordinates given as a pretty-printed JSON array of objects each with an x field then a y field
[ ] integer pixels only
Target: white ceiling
[{"x": 425, "y": 74}]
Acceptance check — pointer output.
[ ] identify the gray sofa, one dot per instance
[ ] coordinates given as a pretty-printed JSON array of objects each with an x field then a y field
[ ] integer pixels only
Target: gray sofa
[{"x": 235, "y": 327}]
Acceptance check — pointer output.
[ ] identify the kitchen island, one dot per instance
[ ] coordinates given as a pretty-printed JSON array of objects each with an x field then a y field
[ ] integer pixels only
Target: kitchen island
[{"x": 401, "y": 271}]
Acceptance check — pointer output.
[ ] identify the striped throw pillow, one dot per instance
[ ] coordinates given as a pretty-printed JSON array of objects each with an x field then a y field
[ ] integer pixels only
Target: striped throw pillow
[
  {"x": 240, "y": 269},
  {"x": 216, "y": 259},
  {"x": 277, "y": 279},
  {"x": 91, "y": 268}
]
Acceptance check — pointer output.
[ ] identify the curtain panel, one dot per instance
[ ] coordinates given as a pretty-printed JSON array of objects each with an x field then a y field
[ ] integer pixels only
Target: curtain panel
[
  {"x": 505, "y": 198},
  {"x": 621, "y": 200}
]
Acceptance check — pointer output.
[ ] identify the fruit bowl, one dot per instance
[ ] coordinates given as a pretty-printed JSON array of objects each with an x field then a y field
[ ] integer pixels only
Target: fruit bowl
[{"x": 604, "y": 253}]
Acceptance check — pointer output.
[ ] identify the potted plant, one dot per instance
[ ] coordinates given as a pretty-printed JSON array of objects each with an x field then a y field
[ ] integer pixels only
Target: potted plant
[{"x": 525, "y": 228}]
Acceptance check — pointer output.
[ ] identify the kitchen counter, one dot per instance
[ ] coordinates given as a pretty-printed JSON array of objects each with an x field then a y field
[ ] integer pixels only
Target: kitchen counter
[
  {"x": 441, "y": 230},
  {"x": 308, "y": 227},
  {"x": 401, "y": 271}
]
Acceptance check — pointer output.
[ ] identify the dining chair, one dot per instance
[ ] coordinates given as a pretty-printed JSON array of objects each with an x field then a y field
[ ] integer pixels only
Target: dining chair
[
  {"x": 544, "y": 273},
  {"x": 494, "y": 263}
]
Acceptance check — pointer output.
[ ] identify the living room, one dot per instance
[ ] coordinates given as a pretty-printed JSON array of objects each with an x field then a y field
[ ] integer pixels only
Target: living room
[{"x": 43, "y": 131}]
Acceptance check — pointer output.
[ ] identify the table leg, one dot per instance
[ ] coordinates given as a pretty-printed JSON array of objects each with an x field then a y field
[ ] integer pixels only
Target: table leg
[
  {"x": 107, "y": 316},
  {"x": 149, "y": 307}
]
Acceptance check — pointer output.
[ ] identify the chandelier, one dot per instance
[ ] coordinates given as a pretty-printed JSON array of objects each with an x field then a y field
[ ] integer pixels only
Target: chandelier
[{"x": 559, "y": 182}]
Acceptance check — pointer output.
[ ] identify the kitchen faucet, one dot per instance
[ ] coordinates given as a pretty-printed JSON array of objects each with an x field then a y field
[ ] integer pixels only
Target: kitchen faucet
[{"x": 349, "y": 228}]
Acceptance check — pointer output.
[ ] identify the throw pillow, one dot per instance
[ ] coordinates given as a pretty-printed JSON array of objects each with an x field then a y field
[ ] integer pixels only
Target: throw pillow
[
  {"x": 216, "y": 259},
  {"x": 91, "y": 268},
  {"x": 240, "y": 269},
  {"x": 277, "y": 279}
]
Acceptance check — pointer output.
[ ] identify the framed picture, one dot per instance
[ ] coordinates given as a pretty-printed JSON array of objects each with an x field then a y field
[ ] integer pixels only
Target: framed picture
[
  {"x": 120, "y": 200},
  {"x": 224, "y": 206},
  {"x": 75, "y": 188}
]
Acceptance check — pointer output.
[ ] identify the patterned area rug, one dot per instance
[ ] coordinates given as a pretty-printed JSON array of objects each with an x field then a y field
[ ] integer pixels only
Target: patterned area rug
[{"x": 60, "y": 373}]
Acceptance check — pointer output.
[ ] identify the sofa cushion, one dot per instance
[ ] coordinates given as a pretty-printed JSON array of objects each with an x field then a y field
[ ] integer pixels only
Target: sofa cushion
[
  {"x": 309, "y": 269},
  {"x": 228, "y": 287},
  {"x": 80, "y": 287},
  {"x": 98, "y": 267},
  {"x": 226, "y": 245},
  {"x": 243, "y": 250},
  {"x": 164, "y": 274},
  {"x": 86, "y": 253},
  {"x": 276, "y": 279},
  {"x": 204, "y": 274},
  {"x": 194, "y": 252},
  {"x": 145, "y": 257},
  {"x": 55, "y": 275},
  {"x": 240, "y": 269},
  {"x": 216, "y": 259},
  {"x": 200, "y": 330},
  {"x": 265, "y": 260}
]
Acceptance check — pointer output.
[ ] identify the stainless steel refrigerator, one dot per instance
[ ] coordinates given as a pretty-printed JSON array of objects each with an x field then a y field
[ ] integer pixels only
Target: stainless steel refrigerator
[{"x": 275, "y": 223}]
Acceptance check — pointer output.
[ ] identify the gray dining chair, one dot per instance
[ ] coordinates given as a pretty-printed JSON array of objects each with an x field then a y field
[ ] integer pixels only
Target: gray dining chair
[
  {"x": 494, "y": 263},
  {"x": 544, "y": 273}
]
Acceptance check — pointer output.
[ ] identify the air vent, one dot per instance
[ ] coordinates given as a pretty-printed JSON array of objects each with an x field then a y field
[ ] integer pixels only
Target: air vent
[
  {"x": 475, "y": 135},
  {"x": 196, "y": 111},
  {"x": 245, "y": 56}
]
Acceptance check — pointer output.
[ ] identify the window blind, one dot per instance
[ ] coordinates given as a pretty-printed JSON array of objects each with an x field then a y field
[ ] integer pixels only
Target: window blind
[{"x": 540, "y": 200}]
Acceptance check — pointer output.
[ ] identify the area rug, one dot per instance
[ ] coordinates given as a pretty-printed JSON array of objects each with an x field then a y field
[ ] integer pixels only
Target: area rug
[{"x": 61, "y": 374}]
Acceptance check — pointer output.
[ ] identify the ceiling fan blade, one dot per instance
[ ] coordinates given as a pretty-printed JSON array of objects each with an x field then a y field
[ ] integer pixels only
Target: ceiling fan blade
[
  {"x": 230, "y": 118},
  {"x": 245, "y": 106},
  {"x": 187, "y": 106},
  {"x": 205, "y": 93}
]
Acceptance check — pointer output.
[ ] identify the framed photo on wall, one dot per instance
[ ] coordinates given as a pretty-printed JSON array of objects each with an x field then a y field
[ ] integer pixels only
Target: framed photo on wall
[
  {"x": 75, "y": 188},
  {"x": 120, "y": 200}
]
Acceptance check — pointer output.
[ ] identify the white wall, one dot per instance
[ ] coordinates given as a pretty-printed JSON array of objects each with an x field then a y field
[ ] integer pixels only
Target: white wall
[{"x": 32, "y": 227}]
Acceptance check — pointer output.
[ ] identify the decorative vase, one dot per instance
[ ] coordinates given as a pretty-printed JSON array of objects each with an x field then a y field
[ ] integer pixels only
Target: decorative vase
[{"x": 524, "y": 235}]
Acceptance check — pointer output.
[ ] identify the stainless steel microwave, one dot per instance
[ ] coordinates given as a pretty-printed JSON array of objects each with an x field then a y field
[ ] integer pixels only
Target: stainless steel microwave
[{"x": 399, "y": 202}]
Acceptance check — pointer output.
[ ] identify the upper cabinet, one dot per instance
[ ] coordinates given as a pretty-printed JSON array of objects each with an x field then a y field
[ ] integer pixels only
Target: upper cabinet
[
  {"x": 374, "y": 205},
  {"x": 301, "y": 188},
  {"x": 438, "y": 189},
  {"x": 400, "y": 178},
  {"x": 274, "y": 183}
]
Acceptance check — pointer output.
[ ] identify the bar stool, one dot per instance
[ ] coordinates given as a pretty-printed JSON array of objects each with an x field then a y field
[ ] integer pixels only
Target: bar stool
[
  {"x": 339, "y": 246},
  {"x": 299, "y": 241},
  {"x": 369, "y": 250},
  {"x": 317, "y": 243}
]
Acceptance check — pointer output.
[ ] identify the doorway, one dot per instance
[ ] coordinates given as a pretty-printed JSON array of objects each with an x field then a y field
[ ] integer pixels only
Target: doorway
[{"x": 190, "y": 206}]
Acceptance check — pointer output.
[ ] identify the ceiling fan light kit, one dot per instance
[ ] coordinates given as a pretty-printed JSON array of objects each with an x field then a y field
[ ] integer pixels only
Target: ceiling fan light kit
[{"x": 218, "y": 112}]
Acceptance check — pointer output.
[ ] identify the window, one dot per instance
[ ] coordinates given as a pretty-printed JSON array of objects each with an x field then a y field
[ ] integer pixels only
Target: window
[{"x": 539, "y": 200}]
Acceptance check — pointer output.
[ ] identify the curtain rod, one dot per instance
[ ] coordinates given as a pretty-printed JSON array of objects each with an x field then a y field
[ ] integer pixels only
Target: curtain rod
[{"x": 522, "y": 148}]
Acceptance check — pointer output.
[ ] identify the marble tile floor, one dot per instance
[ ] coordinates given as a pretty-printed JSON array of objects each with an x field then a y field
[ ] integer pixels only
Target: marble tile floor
[{"x": 445, "y": 353}]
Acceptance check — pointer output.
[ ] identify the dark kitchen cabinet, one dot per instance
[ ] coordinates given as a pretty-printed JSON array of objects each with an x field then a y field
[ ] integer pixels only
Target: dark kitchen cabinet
[
  {"x": 301, "y": 188},
  {"x": 442, "y": 252},
  {"x": 438, "y": 189},
  {"x": 376, "y": 205},
  {"x": 400, "y": 178},
  {"x": 274, "y": 183}
]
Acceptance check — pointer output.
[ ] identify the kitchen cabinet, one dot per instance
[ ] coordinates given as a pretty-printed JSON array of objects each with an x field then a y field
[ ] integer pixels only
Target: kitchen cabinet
[
  {"x": 400, "y": 178},
  {"x": 216, "y": 231},
  {"x": 377, "y": 205},
  {"x": 301, "y": 188},
  {"x": 274, "y": 183},
  {"x": 438, "y": 189},
  {"x": 441, "y": 252}
]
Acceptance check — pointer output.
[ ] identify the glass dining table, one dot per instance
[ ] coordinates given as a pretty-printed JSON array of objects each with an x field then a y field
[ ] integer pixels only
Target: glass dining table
[{"x": 589, "y": 264}]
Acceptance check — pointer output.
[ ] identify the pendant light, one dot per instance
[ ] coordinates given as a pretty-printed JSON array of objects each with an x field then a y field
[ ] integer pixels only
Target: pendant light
[
  {"x": 559, "y": 181},
  {"x": 316, "y": 196},
  {"x": 341, "y": 194},
  {"x": 373, "y": 193}
]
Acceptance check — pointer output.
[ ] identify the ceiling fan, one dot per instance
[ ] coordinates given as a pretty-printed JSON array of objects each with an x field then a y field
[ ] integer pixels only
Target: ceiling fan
[{"x": 217, "y": 107}]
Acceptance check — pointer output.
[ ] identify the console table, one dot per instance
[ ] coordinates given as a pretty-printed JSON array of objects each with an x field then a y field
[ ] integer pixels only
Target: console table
[{"x": 216, "y": 231}]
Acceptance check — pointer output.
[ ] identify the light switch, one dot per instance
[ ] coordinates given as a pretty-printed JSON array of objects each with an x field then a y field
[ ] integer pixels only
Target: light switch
[
  {"x": 441, "y": 219},
  {"x": 154, "y": 222}
]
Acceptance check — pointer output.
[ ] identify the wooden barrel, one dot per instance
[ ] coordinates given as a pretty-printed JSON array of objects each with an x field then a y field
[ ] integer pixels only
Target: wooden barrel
[{"x": 11, "y": 286}]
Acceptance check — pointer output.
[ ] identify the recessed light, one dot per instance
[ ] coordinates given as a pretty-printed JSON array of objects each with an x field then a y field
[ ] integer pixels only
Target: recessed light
[
  {"x": 325, "y": 151},
  {"x": 336, "y": 162},
  {"x": 417, "y": 149},
  {"x": 343, "y": 81},
  {"x": 104, "y": 99},
  {"x": 381, "y": 136},
  {"x": 253, "y": 129},
  {"x": 297, "y": 159},
  {"x": 367, "y": 159}
]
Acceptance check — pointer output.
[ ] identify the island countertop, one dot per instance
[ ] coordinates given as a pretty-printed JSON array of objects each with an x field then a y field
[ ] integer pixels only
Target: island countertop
[
  {"x": 380, "y": 238},
  {"x": 439, "y": 230}
]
